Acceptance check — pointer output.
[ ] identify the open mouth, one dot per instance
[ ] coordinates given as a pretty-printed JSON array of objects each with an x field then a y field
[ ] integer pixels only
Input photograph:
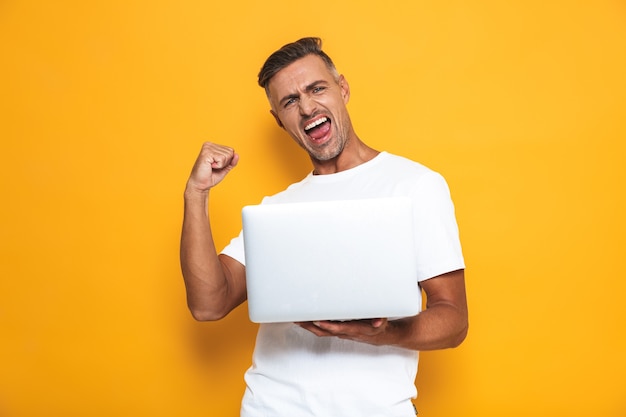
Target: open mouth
[{"x": 318, "y": 128}]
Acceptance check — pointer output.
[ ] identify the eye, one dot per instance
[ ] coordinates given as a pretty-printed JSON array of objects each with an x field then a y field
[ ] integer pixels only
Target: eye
[
  {"x": 318, "y": 89},
  {"x": 290, "y": 102}
]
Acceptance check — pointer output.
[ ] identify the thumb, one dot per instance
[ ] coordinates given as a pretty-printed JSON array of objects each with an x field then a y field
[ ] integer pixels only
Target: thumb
[{"x": 376, "y": 323}]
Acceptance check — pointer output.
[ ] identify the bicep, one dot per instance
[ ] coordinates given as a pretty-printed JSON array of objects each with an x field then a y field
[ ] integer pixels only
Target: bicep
[
  {"x": 448, "y": 288},
  {"x": 235, "y": 274}
]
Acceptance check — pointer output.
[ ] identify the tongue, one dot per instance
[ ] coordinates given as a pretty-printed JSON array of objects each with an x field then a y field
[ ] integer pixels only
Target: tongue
[{"x": 319, "y": 131}]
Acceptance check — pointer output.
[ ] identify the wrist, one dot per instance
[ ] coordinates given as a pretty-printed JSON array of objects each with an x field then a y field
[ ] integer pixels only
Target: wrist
[
  {"x": 396, "y": 332},
  {"x": 193, "y": 194}
]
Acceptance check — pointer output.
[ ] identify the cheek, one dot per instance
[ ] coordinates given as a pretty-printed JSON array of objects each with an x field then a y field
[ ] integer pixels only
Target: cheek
[{"x": 291, "y": 123}]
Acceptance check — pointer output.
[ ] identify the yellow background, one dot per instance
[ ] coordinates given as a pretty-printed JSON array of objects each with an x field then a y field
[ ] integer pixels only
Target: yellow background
[{"x": 103, "y": 108}]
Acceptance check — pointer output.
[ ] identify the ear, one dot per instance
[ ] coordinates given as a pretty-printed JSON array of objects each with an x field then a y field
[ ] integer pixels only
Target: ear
[
  {"x": 277, "y": 119},
  {"x": 345, "y": 89}
]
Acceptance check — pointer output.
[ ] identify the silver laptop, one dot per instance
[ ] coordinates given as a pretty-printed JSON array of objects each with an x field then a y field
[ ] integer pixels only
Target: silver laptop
[{"x": 330, "y": 260}]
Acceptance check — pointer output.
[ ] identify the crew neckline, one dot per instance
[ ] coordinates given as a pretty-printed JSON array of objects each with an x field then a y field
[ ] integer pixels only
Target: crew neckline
[{"x": 348, "y": 172}]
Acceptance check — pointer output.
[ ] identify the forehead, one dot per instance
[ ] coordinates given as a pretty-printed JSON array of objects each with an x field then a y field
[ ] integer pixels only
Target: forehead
[{"x": 298, "y": 75}]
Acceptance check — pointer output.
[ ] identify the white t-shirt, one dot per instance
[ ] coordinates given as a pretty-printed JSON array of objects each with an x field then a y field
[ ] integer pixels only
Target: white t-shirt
[{"x": 295, "y": 373}]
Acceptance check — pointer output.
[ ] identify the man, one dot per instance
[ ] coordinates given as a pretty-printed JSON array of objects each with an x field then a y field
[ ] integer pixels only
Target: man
[{"x": 355, "y": 368}]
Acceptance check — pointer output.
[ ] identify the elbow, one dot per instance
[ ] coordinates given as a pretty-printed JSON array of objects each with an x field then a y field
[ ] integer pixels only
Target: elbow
[
  {"x": 211, "y": 310},
  {"x": 460, "y": 337},
  {"x": 203, "y": 314}
]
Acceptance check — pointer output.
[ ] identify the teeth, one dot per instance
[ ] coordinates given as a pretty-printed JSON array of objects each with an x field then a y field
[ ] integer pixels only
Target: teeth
[{"x": 315, "y": 123}]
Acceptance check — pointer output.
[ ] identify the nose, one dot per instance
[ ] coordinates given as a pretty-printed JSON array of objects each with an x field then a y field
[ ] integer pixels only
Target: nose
[{"x": 307, "y": 105}]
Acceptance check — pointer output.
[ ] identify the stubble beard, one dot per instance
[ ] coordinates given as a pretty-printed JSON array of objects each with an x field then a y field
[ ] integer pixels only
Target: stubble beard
[
  {"x": 328, "y": 153},
  {"x": 330, "y": 149}
]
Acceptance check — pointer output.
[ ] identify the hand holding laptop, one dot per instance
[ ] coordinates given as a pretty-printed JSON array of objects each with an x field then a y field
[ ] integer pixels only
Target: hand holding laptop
[{"x": 365, "y": 330}]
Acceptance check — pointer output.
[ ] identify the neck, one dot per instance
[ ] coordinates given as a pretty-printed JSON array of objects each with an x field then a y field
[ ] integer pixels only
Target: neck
[{"x": 354, "y": 154}]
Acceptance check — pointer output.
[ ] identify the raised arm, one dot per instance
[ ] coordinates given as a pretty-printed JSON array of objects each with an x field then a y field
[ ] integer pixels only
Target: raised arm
[{"x": 215, "y": 284}]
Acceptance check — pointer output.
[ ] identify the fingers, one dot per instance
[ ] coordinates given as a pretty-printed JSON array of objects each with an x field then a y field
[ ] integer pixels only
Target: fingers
[
  {"x": 219, "y": 156},
  {"x": 367, "y": 331},
  {"x": 212, "y": 165}
]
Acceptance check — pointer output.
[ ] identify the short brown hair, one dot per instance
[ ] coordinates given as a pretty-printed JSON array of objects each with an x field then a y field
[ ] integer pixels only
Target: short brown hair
[{"x": 290, "y": 53}]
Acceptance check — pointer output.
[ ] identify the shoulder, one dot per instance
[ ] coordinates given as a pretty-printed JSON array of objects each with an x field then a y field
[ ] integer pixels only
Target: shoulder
[
  {"x": 407, "y": 166},
  {"x": 407, "y": 171}
]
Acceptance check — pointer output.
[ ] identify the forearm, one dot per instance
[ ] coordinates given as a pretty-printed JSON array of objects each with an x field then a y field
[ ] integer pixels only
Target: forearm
[
  {"x": 206, "y": 282},
  {"x": 444, "y": 322},
  {"x": 440, "y": 326}
]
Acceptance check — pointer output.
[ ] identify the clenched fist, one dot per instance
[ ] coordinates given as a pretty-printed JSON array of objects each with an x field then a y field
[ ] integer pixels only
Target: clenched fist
[{"x": 212, "y": 165}]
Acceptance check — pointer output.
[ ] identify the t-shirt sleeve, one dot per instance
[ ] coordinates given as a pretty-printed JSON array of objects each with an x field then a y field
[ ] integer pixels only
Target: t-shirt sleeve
[{"x": 437, "y": 234}]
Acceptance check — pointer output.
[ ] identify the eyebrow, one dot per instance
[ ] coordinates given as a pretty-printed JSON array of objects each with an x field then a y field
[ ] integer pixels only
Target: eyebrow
[{"x": 307, "y": 88}]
